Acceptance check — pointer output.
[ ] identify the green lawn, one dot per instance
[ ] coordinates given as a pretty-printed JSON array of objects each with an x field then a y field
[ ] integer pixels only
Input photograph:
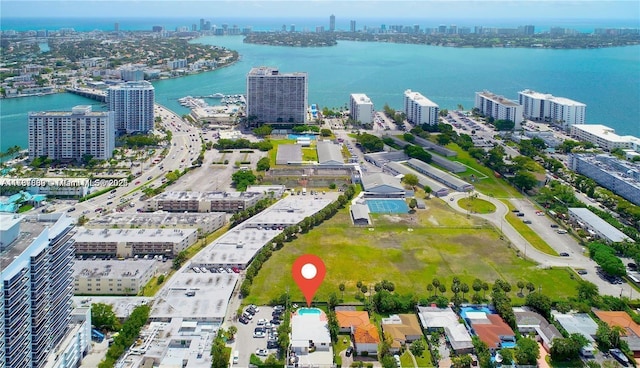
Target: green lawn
[
  {"x": 406, "y": 361},
  {"x": 309, "y": 154},
  {"x": 424, "y": 360},
  {"x": 525, "y": 230},
  {"x": 476, "y": 205},
  {"x": 441, "y": 243},
  {"x": 491, "y": 186}
]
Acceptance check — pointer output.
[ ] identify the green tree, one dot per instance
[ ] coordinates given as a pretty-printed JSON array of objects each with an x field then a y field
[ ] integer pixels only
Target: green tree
[
  {"x": 540, "y": 303},
  {"x": 525, "y": 180},
  {"x": 103, "y": 317},
  {"x": 418, "y": 347},
  {"x": 264, "y": 164},
  {"x": 263, "y": 130},
  {"x": 232, "y": 331},
  {"x": 413, "y": 203},
  {"x": 587, "y": 290},
  {"x": 527, "y": 351},
  {"x": 242, "y": 179},
  {"x": 411, "y": 180},
  {"x": 325, "y": 132},
  {"x": 342, "y": 287},
  {"x": 219, "y": 354}
]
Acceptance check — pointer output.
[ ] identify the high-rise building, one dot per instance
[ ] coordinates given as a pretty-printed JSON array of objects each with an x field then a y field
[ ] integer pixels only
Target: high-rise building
[
  {"x": 274, "y": 97},
  {"x": 557, "y": 110},
  {"x": 332, "y": 23},
  {"x": 352, "y": 26},
  {"x": 498, "y": 107},
  {"x": 36, "y": 287},
  {"x": 70, "y": 135},
  {"x": 361, "y": 108},
  {"x": 132, "y": 105},
  {"x": 419, "y": 109}
]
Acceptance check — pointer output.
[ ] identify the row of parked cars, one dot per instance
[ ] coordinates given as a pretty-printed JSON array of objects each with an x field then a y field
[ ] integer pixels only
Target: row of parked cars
[{"x": 216, "y": 270}]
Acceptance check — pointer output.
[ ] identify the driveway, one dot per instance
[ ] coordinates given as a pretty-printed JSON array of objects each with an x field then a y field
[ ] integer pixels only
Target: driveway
[{"x": 559, "y": 242}]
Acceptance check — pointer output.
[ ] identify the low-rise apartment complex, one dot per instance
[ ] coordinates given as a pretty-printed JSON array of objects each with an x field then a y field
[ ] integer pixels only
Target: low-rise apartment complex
[
  {"x": 127, "y": 243},
  {"x": 620, "y": 177},
  {"x": 125, "y": 277},
  {"x": 604, "y": 137},
  {"x": 203, "y": 201}
]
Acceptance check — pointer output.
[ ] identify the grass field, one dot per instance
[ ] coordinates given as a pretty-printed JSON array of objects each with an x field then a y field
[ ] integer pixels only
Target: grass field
[
  {"x": 409, "y": 250},
  {"x": 477, "y": 205},
  {"x": 491, "y": 186}
]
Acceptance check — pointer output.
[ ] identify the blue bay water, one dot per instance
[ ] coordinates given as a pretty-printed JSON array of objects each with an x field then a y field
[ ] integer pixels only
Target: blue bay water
[{"x": 605, "y": 79}]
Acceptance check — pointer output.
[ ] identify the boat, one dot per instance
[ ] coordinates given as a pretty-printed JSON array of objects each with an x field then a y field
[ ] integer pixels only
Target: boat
[{"x": 217, "y": 95}]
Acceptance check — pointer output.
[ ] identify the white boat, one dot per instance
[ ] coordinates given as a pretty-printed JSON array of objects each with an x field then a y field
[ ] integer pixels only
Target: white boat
[{"x": 217, "y": 95}]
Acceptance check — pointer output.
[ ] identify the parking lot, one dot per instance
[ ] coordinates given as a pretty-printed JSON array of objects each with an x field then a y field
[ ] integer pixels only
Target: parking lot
[{"x": 245, "y": 342}]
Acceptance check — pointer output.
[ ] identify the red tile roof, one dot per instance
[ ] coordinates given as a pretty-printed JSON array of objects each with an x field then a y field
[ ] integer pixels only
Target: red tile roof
[
  {"x": 490, "y": 333},
  {"x": 347, "y": 319},
  {"x": 367, "y": 334}
]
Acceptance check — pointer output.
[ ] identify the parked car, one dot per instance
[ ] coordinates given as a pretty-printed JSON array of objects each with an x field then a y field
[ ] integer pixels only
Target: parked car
[
  {"x": 272, "y": 344},
  {"x": 349, "y": 351},
  {"x": 564, "y": 254},
  {"x": 262, "y": 352},
  {"x": 259, "y": 334},
  {"x": 582, "y": 272}
]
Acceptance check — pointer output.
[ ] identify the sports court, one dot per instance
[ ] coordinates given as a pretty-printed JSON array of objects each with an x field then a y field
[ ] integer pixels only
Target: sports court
[{"x": 387, "y": 206}]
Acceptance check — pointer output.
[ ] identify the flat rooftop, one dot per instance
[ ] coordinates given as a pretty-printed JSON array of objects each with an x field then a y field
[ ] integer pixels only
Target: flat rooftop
[
  {"x": 144, "y": 219},
  {"x": 87, "y": 235},
  {"x": 111, "y": 269},
  {"x": 496, "y": 98},
  {"x": 240, "y": 244},
  {"x": 211, "y": 294},
  {"x": 218, "y": 195},
  {"x": 122, "y": 305},
  {"x": 30, "y": 227}
]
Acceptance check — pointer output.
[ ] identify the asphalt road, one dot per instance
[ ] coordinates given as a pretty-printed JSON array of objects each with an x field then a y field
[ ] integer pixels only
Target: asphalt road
[{"x": 559, "y": 242}]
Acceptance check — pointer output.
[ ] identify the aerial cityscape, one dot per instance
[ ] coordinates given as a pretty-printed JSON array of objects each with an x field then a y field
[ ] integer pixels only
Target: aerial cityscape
[{"x": 350, "y": 185}]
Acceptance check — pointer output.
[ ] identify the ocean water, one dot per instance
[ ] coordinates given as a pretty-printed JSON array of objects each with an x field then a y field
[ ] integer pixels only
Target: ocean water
[{"x": 605, "y": 79}]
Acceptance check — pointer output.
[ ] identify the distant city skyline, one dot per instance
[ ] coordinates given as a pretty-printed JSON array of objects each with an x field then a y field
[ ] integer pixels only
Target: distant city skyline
[{"x": 356, "y": 9}]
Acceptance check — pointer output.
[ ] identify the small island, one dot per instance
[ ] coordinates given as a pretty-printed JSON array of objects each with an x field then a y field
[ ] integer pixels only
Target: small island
[
  {"x": 568, "y": 40},
  {"x": 292, "y": 39}
]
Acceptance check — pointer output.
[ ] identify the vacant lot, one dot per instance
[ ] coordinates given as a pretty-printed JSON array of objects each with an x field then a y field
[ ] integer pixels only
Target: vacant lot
[{"x": 409, "y": 250}]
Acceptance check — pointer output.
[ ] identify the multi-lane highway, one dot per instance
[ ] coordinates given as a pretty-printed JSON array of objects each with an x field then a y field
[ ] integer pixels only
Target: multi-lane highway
[{"x": 184, "y": 148}]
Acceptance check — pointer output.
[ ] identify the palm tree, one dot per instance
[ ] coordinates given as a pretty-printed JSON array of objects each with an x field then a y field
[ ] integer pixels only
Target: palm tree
[
  {"x": 341, "y": 287},
  {"x": 430, "y": 288},
  {"x": 436, "y": 284},
  {"x": 232, "y": 331},
  {"x": 464, "y": 288}
]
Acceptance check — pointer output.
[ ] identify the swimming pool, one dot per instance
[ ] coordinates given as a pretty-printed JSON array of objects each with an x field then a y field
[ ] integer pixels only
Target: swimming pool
[
  {"x": 303, "y": 311},
  {"x": 296, "y": 136},
  {"x": 387, "y": 206}
]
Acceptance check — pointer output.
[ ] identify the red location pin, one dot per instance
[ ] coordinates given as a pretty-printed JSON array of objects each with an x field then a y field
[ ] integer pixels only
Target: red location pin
[{"x": 308, "y": 272}]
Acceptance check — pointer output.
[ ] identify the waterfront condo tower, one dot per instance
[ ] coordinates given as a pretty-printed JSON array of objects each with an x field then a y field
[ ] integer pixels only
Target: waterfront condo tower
[
  {"x": 276, "y": 98},
  {"x": 361, "y": 108},
  {"x": 36, "y": 287},
  {"x": 70, "y": 135},
  {"x": 332, "y": 23},
  {"x": 419, "y": 109},
  {"x": 498, "y": 107},
  {"x": 132, "y": 105},
  {"x": 556, "y": 110}
]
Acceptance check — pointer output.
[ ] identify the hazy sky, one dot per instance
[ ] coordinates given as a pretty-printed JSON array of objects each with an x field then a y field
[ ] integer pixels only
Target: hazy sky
[{"x": 473, "y": 9}]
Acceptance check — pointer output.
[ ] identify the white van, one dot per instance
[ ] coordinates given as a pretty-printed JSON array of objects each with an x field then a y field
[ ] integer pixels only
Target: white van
[
  {"x": 562, "y": 231},
  {"x": 236, "y": 357}
]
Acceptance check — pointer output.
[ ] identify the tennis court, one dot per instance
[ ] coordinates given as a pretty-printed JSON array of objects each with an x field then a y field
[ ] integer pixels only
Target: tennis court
[{"x": 387, "y": 206}]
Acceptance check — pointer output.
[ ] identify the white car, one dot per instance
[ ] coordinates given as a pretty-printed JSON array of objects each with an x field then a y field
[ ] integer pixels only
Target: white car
[
  {"x": 262, "y": 352},
  {"x": 259, "y": 334},
  {"x": 262, "y": 322}
]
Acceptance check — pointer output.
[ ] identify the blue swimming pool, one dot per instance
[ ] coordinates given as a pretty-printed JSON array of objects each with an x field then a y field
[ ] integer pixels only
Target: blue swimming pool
[
  {"x": 465, "y": 310},
  {"x": 303, "y": 311},
  {"x": 387, "y": 206},
  {"x": 296, "y": 136}
]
